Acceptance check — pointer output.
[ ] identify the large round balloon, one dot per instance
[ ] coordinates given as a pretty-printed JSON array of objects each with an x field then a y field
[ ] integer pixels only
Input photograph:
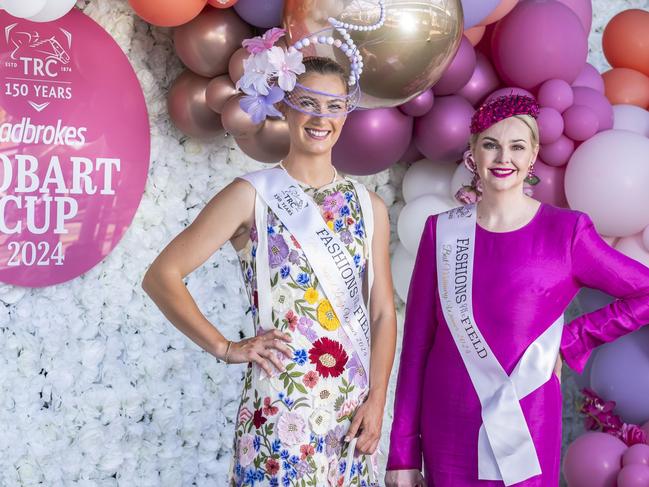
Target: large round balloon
[
  {"x": 459, "y": 72},
  {"x": 529, "y": 44},
  {"x": 206, "y": 43},
  {"x": 590, "y": 78},
  {"x": 483, "y": 81},
  {"x": 583, "y": 9},
  {"x": 596, "y": 101},
  {"x": 633, "y": 247},
  {"x": 637, "y": 454},
  {"x": 624, "y": 85},
  {"x": 607, "y": 177},
  {"x": 425, "y": 177},
  {"x": 219, "y": 91},
  {"x": 633, "y": 476},
  {"x": 266, "y": 13},
  {"x": 372, "y": 140},
  {"x": 404, "y": 57},
  {"x": 53, "y": 10},
  {"x": 188, "y": 108},
  {"x": 550, "y": 187},
  {"x": 413, "y": 216},
  {"x": 270, "y": 144},
  {"x": 631, "y": 117},
  {"x": 403, "y": 262},
  {"x": 625, "y": 41},
  {"x": 165, "y": 13},
  {"x": 620, "y": 373},
  {"x": 593, "y": 460}
]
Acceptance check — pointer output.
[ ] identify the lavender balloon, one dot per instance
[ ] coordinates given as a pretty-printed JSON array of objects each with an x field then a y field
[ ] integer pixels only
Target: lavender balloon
[
  {"x": 557, "y": 94},
  {"x": 621, "y": 374},
  {"x": 476, "y": 10},
  {"x": 590, "y": 78},
  {"x": 459, "y": 72},
  {"x": 266, "y": 13},
  {"x": 580, "y": 122},
  {"x": 419, "y": 105},
  {"x": 637, "y": 454},
  {"x": 593, "y": 460},
  {"x": 550, "y": 125},
  {"x": 598, "y": 103},
  {"x": 483, "y": 81},
  {"x": 372, "y": 140},
  {"x": 443, "y": 133},
  {"x": 633, "y": 476},
  {"x": 583, "y": 9}
]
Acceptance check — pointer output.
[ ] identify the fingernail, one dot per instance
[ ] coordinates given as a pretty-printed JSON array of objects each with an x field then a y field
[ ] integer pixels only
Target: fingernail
[{"x": 347, "y": 439}]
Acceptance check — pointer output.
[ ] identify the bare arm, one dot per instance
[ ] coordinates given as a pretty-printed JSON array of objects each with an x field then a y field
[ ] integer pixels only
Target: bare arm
[
  {"x": 228, "y": 216},
  {"x": 369, "y": 417}
]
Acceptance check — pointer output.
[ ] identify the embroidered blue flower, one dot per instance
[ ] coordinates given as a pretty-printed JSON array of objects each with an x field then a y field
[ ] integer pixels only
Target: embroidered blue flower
[
  {"x": 288, "y": 401},
  {"x": 251, "y": 476},
  {"x": 254, "y": 251},
  {"x": 285, "y": 271},
  {"x": 271, "y": 230},
  {"x": 300, "y": 356},
  {"x": 319, "y": 444},
  {"x": 349, "y": 196},
  {"x": 274, "y": 482},
  {"x": 286, "y": 481},
  {"x": 294, "y": 459},
  {"x": 344, "y": 211},
  {"x": 342, "y": 466},
  {"x": 276, "y": 446},
  {"x": 303, "y": 279},
  {"x": 338, "y": 225},
  {"x": 357, "y": 259},
  {"x": 257, "y": 442},
  {"x": 284, "y": 455},
  {"x": 358, "y": 229}
]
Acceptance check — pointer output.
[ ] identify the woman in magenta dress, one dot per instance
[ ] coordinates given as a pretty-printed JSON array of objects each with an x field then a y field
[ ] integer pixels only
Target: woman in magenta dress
[{"x": 530, "y": 259}]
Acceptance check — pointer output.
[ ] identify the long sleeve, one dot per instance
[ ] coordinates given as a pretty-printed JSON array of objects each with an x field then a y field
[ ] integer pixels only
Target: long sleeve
[
  {"x": 419, "y": 329},
  {"x": 596, "y": 265}
]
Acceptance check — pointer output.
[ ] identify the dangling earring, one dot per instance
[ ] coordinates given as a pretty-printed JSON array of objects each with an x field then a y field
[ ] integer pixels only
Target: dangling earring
[
  {"x": 531, "y": 178},
  {"x": 470, "y": 164}
]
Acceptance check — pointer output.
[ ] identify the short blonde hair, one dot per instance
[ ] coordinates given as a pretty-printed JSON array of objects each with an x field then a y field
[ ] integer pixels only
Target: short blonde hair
[{"x": 528, "y": 120}]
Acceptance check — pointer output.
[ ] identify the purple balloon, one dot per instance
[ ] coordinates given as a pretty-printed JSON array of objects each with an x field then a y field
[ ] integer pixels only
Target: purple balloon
[
  {"x": 598, "y": 103},
  {"x": 372, "y": 140},
  {"x": 443, "y": 133},
  {"x": 593, "y": 460},
  {"x": 483, "y": 81},
  {"x": 509, "y": 90},
  {"x": 557, "y": 153},
  {"x": 621, "y": 373},
  {"x": 557, "y": 94},
  {"x": 583, "y": 9},
  {"x": 477, "y": 10},
  {"x": 550, "y": 125},
  {"x": 419, "y": 105},
  {"x": 412, "y": 154},
  {"x": 530, "y": 44},
  {"x": 637, "y": 454},
  {"x": 590, "y": 78},
  {"x": 580, "y": 122},
  {"x": 264, "y": 14},
  {"x": 633, "y": 476},
  {"x": 459, "y": 71}
]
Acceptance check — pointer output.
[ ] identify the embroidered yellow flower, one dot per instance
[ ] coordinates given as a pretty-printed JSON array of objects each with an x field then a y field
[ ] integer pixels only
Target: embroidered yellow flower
[
  {"x": 330, "y": 224},
  {"x": 311, "y": 295},
  {"x": 326, "y": 316}
]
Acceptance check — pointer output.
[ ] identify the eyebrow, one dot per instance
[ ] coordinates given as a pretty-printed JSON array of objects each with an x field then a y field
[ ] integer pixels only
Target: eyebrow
[{"x": 511, "y": 141}]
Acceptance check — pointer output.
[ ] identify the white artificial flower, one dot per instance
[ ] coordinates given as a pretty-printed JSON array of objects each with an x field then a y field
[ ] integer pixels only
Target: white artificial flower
[
  {"x": 256, "y": 71},
  {"x": 287, "y": 65}
]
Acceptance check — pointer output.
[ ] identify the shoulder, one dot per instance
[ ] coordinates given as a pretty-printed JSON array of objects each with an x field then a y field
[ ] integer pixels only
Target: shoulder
[{"x": 568, "y": 217}]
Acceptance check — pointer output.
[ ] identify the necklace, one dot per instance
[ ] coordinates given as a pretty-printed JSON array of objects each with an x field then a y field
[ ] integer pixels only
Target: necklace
[{"x": 332, "y": 180}]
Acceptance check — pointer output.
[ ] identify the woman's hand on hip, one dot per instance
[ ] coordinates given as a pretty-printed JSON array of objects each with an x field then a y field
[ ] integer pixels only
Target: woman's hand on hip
[
  {"x": 404, "y": 478},
  {"x": 262, "y": 350}
]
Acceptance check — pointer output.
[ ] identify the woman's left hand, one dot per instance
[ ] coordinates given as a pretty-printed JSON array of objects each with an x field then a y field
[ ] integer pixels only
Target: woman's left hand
[{"x": 368, "y": 420}]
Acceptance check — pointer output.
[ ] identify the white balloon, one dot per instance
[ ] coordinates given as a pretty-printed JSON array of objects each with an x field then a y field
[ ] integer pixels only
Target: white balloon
[
  {"x": 403, "y": 262},
  {"x": 607, "y": 177},
  {"x": 426, "y": 177},
  {"x": 413, "y": 217},
  {"x": 631, "y": 117},
  {"x": 23, "y": 8},
  {"x": 461, "y": 177},
  {"x": 55, "y": 9},
  {"x": 610, "y": 240},
  {"x": 645, "y": 238},
  {"x": 634, "y": 248}
]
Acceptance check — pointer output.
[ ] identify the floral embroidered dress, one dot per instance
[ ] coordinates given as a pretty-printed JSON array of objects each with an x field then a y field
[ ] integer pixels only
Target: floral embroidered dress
[{"x": 290, "y": 428}]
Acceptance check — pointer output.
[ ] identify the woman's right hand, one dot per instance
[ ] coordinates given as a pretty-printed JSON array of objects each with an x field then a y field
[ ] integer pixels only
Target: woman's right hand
[
  {"x": 404, "y": 478},
  {"x": 262, "y": 350}
]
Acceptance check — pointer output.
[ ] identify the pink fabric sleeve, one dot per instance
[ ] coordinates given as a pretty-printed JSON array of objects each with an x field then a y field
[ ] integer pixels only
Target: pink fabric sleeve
[
  {"x": 597, "y": 265},
  {"x": 419, "y": 329}
]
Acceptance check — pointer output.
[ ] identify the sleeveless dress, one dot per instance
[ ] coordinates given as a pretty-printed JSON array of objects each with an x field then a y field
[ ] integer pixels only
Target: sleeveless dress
[{"x": 290, "y": 428}]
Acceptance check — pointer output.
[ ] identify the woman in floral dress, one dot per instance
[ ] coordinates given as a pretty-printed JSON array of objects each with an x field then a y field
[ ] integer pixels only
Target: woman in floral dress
[{"x": 310, "y": 413}]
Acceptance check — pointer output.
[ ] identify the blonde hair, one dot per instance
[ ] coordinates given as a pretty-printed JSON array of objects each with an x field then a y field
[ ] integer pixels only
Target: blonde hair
[{"x": 528, "y": 120}]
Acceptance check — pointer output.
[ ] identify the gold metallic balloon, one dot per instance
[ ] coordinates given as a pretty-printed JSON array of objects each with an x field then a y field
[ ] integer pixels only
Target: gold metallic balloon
[
  {"x": 218, "y": 91},
  {"x": 235, "y": 65},
  {"x": 270, "y": 144},
  {"x": 188, "y": 108},
  {"x": 406, "y": 56},
  {"x": 237, "y": 122}
]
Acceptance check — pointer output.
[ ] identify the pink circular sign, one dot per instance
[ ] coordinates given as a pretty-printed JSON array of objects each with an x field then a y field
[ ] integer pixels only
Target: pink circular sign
[{"x": 74, "y": 148}]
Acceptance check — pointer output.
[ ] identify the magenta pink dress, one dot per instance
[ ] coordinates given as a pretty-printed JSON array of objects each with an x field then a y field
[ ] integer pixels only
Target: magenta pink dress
[{"x": 523, "y": 280}]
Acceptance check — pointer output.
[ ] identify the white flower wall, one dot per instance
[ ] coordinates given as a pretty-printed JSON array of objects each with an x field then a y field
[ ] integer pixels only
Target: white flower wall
[{"x": 96, "y": 387}]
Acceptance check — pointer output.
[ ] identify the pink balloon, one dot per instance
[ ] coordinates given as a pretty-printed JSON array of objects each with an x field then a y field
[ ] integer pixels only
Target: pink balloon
[
  {"x": 412, "y": 154},
  {"x": 593, "y": 460},
  {"x": 583, "y": 9},
  {"x": 372, "y": 140},
  {"x": 557, "y": 153},
  {"x": 443, "y": 133},
  {"x": 550, "y": 125},
  {"x": 529, "y": 45},
  {"x": 580, "y": 122},
  {"x": 483, "y": 81},
  {"x": 636, "y": 454},
  {"x": 459, "y": 72},
  {"x": 590, "y": 78},
  {"x": 550, "y": 188},
  {"x": 557, "y": 94},
  {"x": 419, "y": 105},
  {"x": 509, "y": 90},
  {"x": 598, "y": 103},
  {"x": 633, "y": 476}
]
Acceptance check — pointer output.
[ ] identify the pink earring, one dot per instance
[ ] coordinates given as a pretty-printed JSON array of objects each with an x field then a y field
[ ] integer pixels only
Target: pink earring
[{"x": 469, "y": 162}]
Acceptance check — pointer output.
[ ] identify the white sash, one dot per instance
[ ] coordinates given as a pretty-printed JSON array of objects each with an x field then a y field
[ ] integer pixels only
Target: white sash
[
  {"x": 505, "y": 448},
  {"x": 326, "y": 253}
]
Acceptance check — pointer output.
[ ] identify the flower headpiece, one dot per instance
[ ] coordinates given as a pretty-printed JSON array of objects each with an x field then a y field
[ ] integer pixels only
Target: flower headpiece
[
  {"x": 270, "y": 72},
  {"x": 501, "y": 108}
]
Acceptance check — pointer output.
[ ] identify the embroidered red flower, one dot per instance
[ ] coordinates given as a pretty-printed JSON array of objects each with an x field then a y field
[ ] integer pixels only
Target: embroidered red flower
[
  {"x": 272, "y": 466},
  {"x": 295, "y": 242},
  {"x": 328, "y": 356},
  {"x": 310, "y": 379},
  {"x": 268, "y": 409},
  {"x": 350, "y": 220},
  {"x": 258, "y": 419},
  {"x": 291, "y": 319},
  {"x": 328, "y": 215},
  {"x": 306, "y": 451}
]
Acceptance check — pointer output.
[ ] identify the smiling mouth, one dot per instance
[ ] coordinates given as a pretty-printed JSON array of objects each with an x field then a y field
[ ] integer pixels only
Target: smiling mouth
[
  {"x": 501, "y": 172},
  {"x": 317, "y": 134}
]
